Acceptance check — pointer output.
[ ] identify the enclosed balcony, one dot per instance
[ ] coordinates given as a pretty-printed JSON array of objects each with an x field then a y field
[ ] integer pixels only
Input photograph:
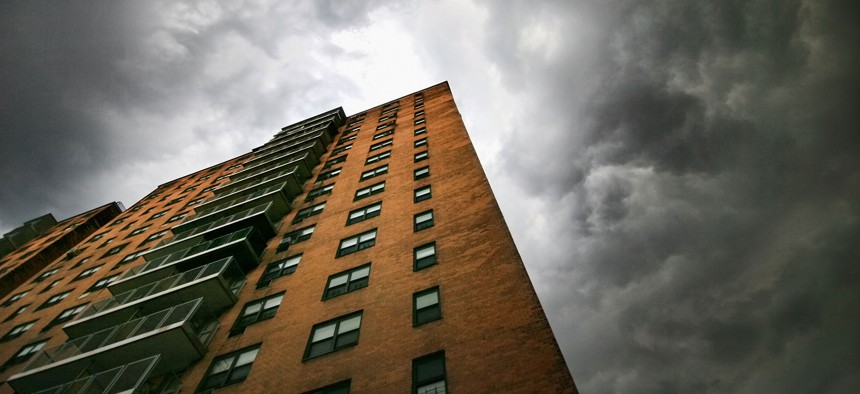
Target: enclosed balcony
[
  {"x": 302, "y": 157},
  {"x": 134, "y": 377},
  {"x": 261, "y": 217},
  {"x": 318, "y": 140},
  {"x": 179, "y": 334},
  {"x": 278, "y": 195},
  {"x": 216, "y": 283}
]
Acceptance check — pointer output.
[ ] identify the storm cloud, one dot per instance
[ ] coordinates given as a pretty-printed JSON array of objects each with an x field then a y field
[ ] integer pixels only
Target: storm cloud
[{"x": 681, "y": 178}]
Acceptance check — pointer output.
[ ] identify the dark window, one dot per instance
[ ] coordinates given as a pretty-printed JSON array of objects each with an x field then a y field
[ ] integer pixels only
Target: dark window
[
  {"x": 129, "y": 258},
  {"x": 355, "y": 122},
  {"x": 118, "y": 221},
  {"x": 378, "y": 157},
  {"x": 333, "y": 335},
  {"x": 424, "y": 256},
  {"x": 381, "y": 170},
  {"x": 195, "y": 202},
  {"x": 87, "y": 273},
  {"x": 51, "y": 286},
  {"x": 278, "y": 269},
  {"x": 114, "y": 250},
  {"x": 337, "y": 388},
  {"x": 203, "y": 178},
  {"x": 421, "y": 142},
  {"x": 341, "y": 149},
  {"x": 17, "y": 312},
  {"x": 174, "y": 201},
  {"x": 345, "y": 140},
  {"x": 426, "y": 306},
  {"x": 370, "y": 190},
  {"x": 383, "y": 134},
  {"x": 422, "y": 172},
  {"x": 328, "y": 174},
  {"x": 388, "y": 111},
  {"x": 65, "y": 316},
  {"x": 344, "y": 282},
  {"x": 319, "y": 192},
  {"x": 54, "y": 300},
  {"x": 96, "y": 237},
  {"x": 155, "y": 236},
  {"x": 135, "y": 209},
  {"x": 386, "y": 118},
  {"x": 419, "y": 113},
  {"x": 305, "y": 213},
  {"x": 26, "y": 352},
  {"x": 209, "y": 189},
  {"x": 389, "y": 104},
  {"x": 331, "y": 162},
  {"x": 46, "y": 275},
  {"x": 419, "y": 121},
  {"x": 138, "y": 230},
  {"x": 428, "y": 374},
  {"x": 423, "y": 220},
  {"x": 420, "y": 130},
  {"x": 102, "y": 283},
  {"x": 355, "y": 243},
  {"x": 302, "y": 234},
  {"x": 256, "y": 311},
  {"x": 352, "y": 130},
  {"x": 15, "y": 297},
  {"x": 380, "y": 145},
  {"x": 423, "y": 193},
  {"x": 364, "y": 213},
  {"x": 158, "y": 215},
  {"x": 106, "y": 242},
  {"x": 16, "y": 331},
  {"x": 421, "y": 156},
  {"x": 228, "y": 369},
  {"x": 192, "y": 188},
  {"x": 382, "y": 126},
  {"x": 419, "y": 106}
]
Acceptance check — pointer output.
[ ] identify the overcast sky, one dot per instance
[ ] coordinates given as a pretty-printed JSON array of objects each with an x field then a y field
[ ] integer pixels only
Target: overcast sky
[{"x": 682, "y": 178}]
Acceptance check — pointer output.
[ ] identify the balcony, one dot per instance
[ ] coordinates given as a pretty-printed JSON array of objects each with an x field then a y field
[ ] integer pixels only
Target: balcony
[
  {"x": 261, "y": 217},
  {"x": 317, "y": 139},
  {"x": 216, "y": 283},
  {"x": 179, "y": 334},
  {"x": 134, "y": 377},
  {"x": 277, "y": 195},
  {"x": 301, "y": 156}
]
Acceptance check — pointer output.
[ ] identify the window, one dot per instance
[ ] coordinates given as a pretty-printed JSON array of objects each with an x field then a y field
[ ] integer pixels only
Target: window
[
  {"x": 16, "y": 331},
  {"x": 419, "y": 106},
  {"x": 380, "y": 145},
  {"x": 345, "y": 140},
  {"x": 195, "y": 202},
  {"x": 102, "y": 283},
  {"x": 382, "y": 126},
  {"x": 419, "y": 121},
  {"x": 118, "y": 221},
  {"x": 333, "y": 335},
  {"x": 87, "y": 273},
  {"x": 79, "y": 263},
  {"x": 106, "y": 242},
  {"x": 278, "y": 269},
  {"x": 26, "y": 352},
  {"x": 423, "y": 220},
  {"x": 426, "y": 307},
  {"x": 205, "y": 177},
  {"x": 256, "y": 311},
  {"x": 328, "y": 174},
  {"x": 139, "y": 230},
  {"x": 14, "y": 298},
  {"x": 319, "y": 192},
  {"x": 422, "y": 172},
  {"x": 356, "y": 122},
  {"x": 347, "y": 281},
  {"x": 420, "y": 130},
  {"x": 341, "y": 149},
  {"x": 54, "y": 300},
  {"x": 225, "y": 176},
  {"x": 46, "y": 275},
  {"x": 192, "y": 188},
  {"x": 337, "y": 388},
  {"x": 209, "y": 189},
  {"x": 155, "y": 236},
  {"x": 131, "y": 257},
  {"x": 339, "y": 159},
  {"x": 174, "y": 201},
  {"x": 364, "y": 213},
  {"x": 233, "y": 167},
  {"x": 136, "y": 208},
  {"x": 97, "y": 237},
  {"x": 383, "y": 134},
  {"x": 370, "y": 190},
  {"x": 378, "y": 157},
  {"x": 17, "y": 312},
  {"x": 355, "y": 243},
  {"x": 424, "y": 256},
  {"x": 381, "y": 170},
  {"x": 423, "y": 193},
  {"x": 293, "y": 237},
  {"x": 177, "y": 217},
  {"x": 352, "y": 130},
  {"x": 421, "y": 142},
  {"x": 51, "y": 286},
  {"x": 428, "y": 374},
  {"x": 65, "y": 316},
  {"x": 157, "y": 215},
  {"x": 228, "y": 369},
  {"x": 419, "y": 113},
  {"x": 388, "y": 111},
  {"x": 389, "y": 117},
  {"x": 114, "y": 250},
  {"x": 421, "y": 156},
  {"x": 390, "y": 103},
  {"x": 305, "y": 213}
]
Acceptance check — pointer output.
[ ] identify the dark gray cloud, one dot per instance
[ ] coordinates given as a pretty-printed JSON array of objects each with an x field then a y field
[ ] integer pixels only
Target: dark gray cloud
[{"x": 681, "y": 177}]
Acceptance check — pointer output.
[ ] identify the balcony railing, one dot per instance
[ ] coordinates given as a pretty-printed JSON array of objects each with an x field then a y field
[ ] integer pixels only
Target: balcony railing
[
  {"x": 276, "y": 194},
  {"x": 279, "y": 160},
  {"x": 217, "y": 283},
  {"x": 261, "y": 217},
  {"x": 290, "y": 173},
  {"x": 129, "y": 378},
  {"x": 293, "y": 188},
  {"x": 180, "y": 334}
]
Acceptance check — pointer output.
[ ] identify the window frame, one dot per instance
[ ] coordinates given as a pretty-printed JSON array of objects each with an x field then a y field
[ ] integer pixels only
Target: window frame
[
  {"x": 381, "y": 144},
  {"x": 309, "y": 211},
  {"x": 435, "y": 379},
  {"x": 261, "y": 314},
  {"x": 372, "y": 189},
  {"x": 300, "y": 236},
  {"x": 334, "y": 388},
  {"x": 336, "y": 334},
  {"x": 421, "y": 263},
  {"x": 18, "y": 330},
  {"x": 383, "y": 134},
  {"x": 423, "y": 225},
  {"x": 416, "y": 198},
  {"x": 87, "y": 273},
  {"x": 32, "y": 348},
  {"x": 373, "y": 173},
  {"x": 364, "y": 214},
  {"x": 421, "y": 156},
  {"x": 421, "y": 173},
  {"x": 359, "y": 244},
  {"x": 285, "y": 267},
  {"x": 320, "y": 191},
  {"x": 377, "y": 157},
  {"x": 235, "y": 355},
  {"x": 54, "y": 299},
  {"x": 420, "y": 142},
  {"x": 350, "y": 285},
  {"x": 416, "y": 319},
  {"x": 66, "y": 315},
  {"x": 329, "y": 174}
]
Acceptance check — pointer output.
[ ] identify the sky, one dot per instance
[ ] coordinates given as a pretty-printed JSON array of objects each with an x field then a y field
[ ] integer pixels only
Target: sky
[{"x": 682, "y": 178}]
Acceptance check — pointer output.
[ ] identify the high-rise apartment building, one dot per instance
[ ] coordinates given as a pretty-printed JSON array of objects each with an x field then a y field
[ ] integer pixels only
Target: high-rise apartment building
[{"x": 347, "y": 255}]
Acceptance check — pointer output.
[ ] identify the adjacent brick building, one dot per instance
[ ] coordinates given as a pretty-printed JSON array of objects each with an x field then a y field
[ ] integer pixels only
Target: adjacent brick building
[{"x": 364, "y": 254}]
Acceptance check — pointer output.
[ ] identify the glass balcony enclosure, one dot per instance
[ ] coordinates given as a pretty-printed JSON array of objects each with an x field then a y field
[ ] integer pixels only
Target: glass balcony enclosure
[
  {"x": 275, "y": 194},
  {"x": 134, "y": 377}
]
